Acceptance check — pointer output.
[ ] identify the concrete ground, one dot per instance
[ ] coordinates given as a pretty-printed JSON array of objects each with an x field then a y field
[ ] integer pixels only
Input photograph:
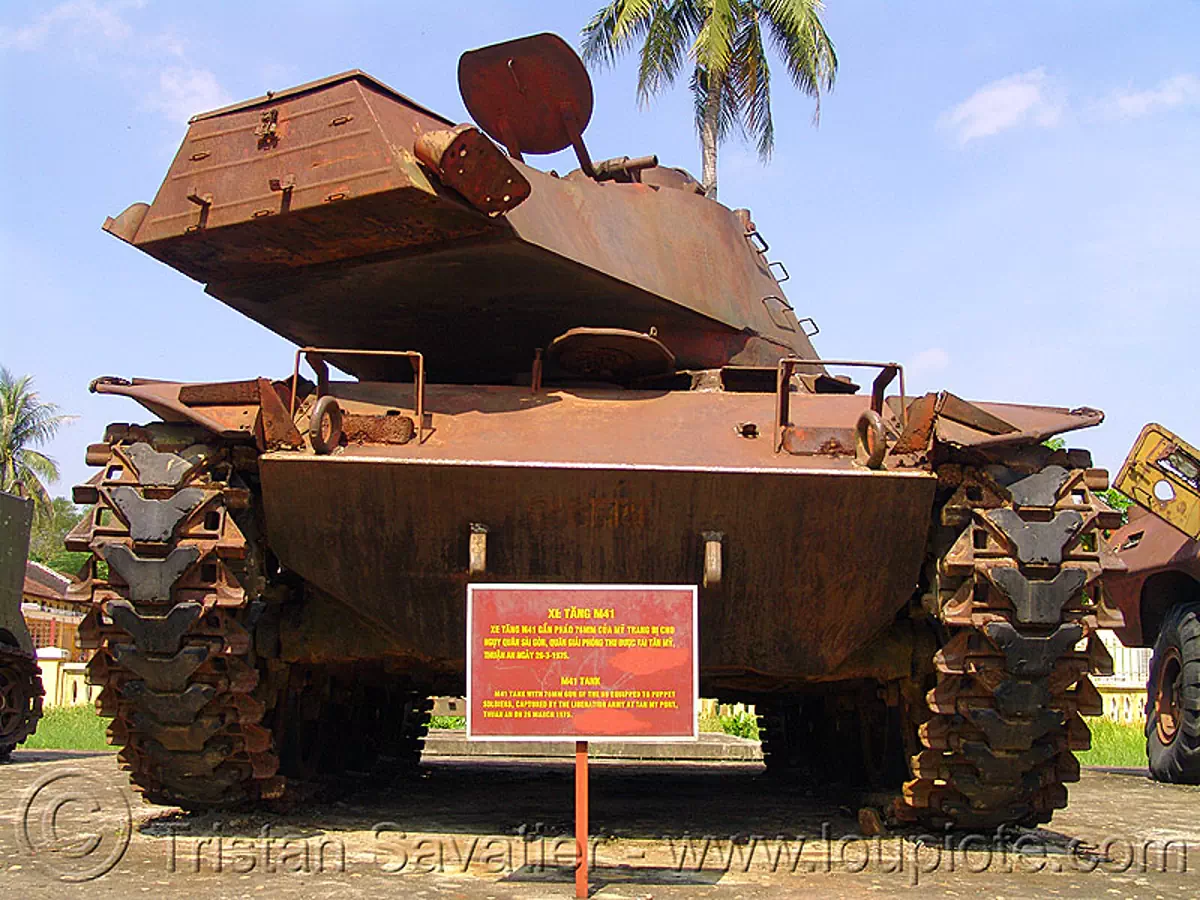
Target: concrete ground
[{"x": 491, "y": 829}]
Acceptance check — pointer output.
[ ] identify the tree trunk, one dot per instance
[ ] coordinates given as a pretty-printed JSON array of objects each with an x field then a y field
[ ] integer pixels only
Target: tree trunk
[{"x": 708, "y": 139}]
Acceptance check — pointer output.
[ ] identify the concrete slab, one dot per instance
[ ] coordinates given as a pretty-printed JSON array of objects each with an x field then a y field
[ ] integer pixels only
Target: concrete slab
[
  {"x": 491, "y": 829},
  {"x": 711, "y": 747}
]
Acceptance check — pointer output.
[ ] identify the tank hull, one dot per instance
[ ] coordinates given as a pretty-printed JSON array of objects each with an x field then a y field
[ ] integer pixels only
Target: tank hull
[{"x": 818, "y": 560}]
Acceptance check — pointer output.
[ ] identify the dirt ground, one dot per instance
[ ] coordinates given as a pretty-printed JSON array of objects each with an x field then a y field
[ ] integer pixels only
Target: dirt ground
[{"x": 486, "y": 830}]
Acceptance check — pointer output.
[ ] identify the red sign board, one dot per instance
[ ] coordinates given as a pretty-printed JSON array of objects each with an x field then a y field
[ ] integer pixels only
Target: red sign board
[{"x": 581, "y": 662}]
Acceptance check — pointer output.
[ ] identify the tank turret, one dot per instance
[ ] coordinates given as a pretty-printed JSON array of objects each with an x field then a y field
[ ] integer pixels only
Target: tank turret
[{"x": 341, "y": 213}]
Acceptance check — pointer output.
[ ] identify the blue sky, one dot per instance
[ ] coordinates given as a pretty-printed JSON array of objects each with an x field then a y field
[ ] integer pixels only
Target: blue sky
[{"x": 1002, "y": 196}]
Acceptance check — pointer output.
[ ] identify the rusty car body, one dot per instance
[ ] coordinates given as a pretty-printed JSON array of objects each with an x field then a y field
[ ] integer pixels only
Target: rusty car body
[
  {"x": 594, "y": 377},
  {"x": 1158, "y": 592}
]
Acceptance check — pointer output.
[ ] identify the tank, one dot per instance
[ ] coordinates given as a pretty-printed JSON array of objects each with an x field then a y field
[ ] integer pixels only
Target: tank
[
  {"x": 593, "y": 377},
  {"x": 20, "y": 678}
]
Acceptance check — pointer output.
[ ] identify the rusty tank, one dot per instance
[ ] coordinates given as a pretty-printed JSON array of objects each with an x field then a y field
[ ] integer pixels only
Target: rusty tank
[
  {"x": 591, "y": 377},
  {"x": 21, "y": 689}
]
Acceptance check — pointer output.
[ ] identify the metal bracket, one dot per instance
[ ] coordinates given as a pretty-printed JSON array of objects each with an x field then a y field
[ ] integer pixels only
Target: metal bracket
[
  {"x": 783, "y": 386},
  {"x": 477, "y": 561},
  {"x": 267, "y": 130},
  {"x": 757, "y": 241},
  {"x": 713, "y": 541},
  {"x": 316, "y": 358}
]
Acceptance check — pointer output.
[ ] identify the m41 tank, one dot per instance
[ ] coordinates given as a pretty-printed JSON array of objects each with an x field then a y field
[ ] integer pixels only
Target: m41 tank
[{"x": 583, "y": 378}]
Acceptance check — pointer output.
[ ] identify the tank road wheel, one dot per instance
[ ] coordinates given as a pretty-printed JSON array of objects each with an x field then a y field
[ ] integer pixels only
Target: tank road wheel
[
  {"x": 20, "y": 698},
  {"x": 176, "y": 590},
  {"x": 1014, "y": 586},
  {"x": 1173, "y": 707}
]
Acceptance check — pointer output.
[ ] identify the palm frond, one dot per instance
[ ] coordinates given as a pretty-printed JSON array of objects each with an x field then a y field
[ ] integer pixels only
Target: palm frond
[
  {"x": 614, "y": 28},
  {"x": 665, "y": 47},
  {"x": 799, "y": 36},
  {"x": 26, "y": 422},
  {"x": 727, "y": 110},
  {"x": 752, "y": 80},
  {"x": 713, "y": 47},
  {"x": 38, "y": 464}
]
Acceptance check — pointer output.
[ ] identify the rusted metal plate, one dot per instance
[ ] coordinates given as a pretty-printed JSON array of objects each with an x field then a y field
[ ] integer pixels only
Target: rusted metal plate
[
  {"x": 821, "y": 551},
  {"x": 274, "y": 427},
  {"x": 273, "y": 97},
  {"x": 385, "y": 429},
  {"x": 219, "y": 393},
  {"x": 532, "y": 94},
  {"x": 469, "y": 163},
  {"x": 1162, "y": 474},
  {"x": 1159, "y": 560},
  {"x": 602, "y": 427},
  {"x": 951, "y": 420},
  {"x": 610, "y": 354},
  {"x": 16, "y": 518},
  {"x": 311, "y": 176}
]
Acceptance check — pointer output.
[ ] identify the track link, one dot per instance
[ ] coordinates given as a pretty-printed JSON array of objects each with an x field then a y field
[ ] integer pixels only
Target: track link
[
  {"x": 175, "y": 589},
  {"x": 1016, "y": 588}
]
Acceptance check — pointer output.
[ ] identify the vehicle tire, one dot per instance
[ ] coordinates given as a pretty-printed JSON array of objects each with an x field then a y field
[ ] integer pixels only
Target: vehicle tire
[{"x": 1173, "y": 699}]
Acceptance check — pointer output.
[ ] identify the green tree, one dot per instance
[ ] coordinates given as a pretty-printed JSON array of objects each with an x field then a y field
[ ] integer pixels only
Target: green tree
[
  {"x": 49, "y": 530},
  {"x": 725, "y": 44},
  {"x": 25, "y": 423},
  {"x": 1118, "y": 501}
]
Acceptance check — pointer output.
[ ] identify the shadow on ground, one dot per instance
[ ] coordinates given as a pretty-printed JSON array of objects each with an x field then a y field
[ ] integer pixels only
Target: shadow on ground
[{"x": 537, "y": 799}]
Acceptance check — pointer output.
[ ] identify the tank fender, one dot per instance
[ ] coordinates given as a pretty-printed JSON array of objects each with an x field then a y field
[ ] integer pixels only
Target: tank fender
[
  {"x": 944, "y": 418},
  {"x": 251, "y": 409}
]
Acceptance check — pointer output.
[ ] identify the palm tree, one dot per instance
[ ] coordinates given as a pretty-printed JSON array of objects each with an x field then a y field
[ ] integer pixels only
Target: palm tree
[
  {"x": 725, "y": 43},
  {"x": 26, "y": 422}
]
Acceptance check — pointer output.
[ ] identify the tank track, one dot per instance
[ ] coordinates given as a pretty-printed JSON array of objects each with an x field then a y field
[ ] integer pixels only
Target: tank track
[
  {"x": 183, "y": 621},
  {"x": 21, "y": 694},
  {"x": 176, "y": 589},
  {"x": 1015, "y": 588}
]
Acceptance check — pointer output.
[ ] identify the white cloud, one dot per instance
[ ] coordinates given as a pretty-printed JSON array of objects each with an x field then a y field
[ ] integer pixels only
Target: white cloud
[
  {"x": 1023, "y": 99},
  {"x": 152, "y": 65},
  {"x": 76, "y": 17},
  {"x": 935, "y": 359},
  {"x": 183, "y": 92},
  {"x": 1179, "y": 90}
]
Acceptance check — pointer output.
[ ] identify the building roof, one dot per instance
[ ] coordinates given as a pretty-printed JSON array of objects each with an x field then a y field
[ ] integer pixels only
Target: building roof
[{"x": 44, "y": 583}]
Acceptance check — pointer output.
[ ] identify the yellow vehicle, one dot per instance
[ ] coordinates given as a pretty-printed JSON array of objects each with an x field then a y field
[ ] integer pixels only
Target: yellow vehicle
[{"x": 1159, "y": 594}]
